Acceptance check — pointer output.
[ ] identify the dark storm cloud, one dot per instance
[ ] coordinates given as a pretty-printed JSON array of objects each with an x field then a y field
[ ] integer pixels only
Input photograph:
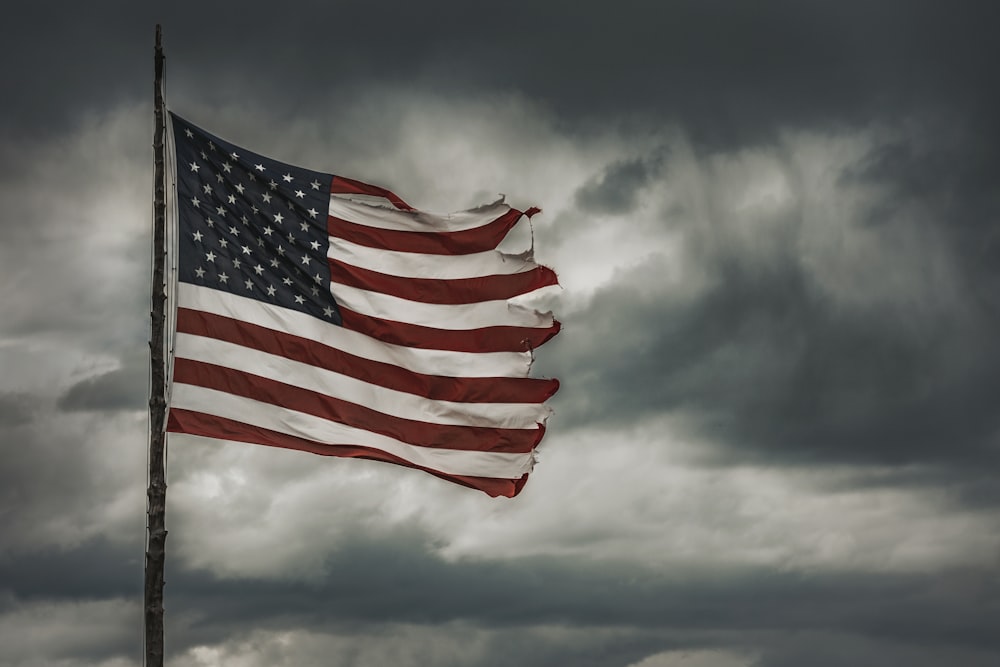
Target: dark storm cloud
[
  {"x": 729, "y": 71},
  {"x": 953, "y": 173},
  {"x": 769, "y": 363},
  {"x": 819, "y": 649},
  {"x": 616, "y": 190},
  {"x": 401, "y": 579},
  {"x": 94, "y": 570},
  {"x": 773, "y": 367}
]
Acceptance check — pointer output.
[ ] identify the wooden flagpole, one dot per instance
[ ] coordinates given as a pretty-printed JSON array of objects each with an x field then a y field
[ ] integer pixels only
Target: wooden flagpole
[{"x": 156, "y": 494}]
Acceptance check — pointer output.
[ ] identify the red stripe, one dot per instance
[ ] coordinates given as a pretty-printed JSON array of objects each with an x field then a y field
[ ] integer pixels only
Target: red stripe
[
  {"x": 485, "y": 339},
  {"x": 479, "y": 239},
  {"x": 210, "y": 426},
  {"x": 423, "y": 434},
  {"x": 307, "y": 351},
  {"x": 348, "y": 186},
  {"x": 444, "y": 291}
]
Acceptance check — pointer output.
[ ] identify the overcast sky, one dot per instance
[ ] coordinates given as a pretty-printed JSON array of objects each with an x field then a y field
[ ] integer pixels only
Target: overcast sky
[{"x": 777, "y": 227}]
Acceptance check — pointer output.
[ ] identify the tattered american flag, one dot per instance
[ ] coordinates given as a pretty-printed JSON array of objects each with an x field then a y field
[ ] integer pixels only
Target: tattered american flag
[{"x": 319, "y": 313}]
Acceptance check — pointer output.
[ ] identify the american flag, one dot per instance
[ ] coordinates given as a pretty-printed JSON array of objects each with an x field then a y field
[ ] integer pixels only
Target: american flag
[{"x": 319, "y": 313}]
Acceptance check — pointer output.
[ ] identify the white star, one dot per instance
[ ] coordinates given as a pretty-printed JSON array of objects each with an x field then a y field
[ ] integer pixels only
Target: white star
[
  {"x": 315, "y": 185},
  {"x": 200, "y": 272},
  {"x": 219, "y": 178},
  {"x": 209, "y": 222},
  {"x": 281, "y": 251},
  {"x": 235, "y": 156},
  {"x": 274, "y": 263},
  {"x": 195, "y": 167},
  {"x": 255, "y": 210},
  {"x": 224, "y": 278},
  {"x": 291, "y": 239},
  {"x": 271, "y": 290},
  {"x": 318, "y": 278},
  {"x": 245, "y": 219},
  {"x": 211, "y": 146},
  {"x": 312, "y": 213},
  {"x": 195, "y": 202},
  {"x": 286, "y": 280},
  {"x": 328, "y": 311},
  {"x": 259, "y": 269},
  {"x": 226, "y": 167},
  {"x": 237, "y": 263},
  {"x": 304, "y": 226},
  {"x": 305, "y": 259},
  {"x": 260, "y": 242},
  {"x": 240, "y": 188},
  {"x": 221, "y": 210},
  {"x": 207, "y": 188},
  {"x": 267, "y": 197},
  {"x": 232, "y": 199},
  {"x": 314, "y": 244},
  {"x": 278, "y": 218},
  {"x": 210, "y": 256},
  {"x": 287, "y": 178},
  {"x": 204, "y": 155},
  {"x": 188, "y": 133},
  {"x": 246, "y": 250},
  {"x": 300, "y": 194},
  {"x": 315, "y": 291},
  {"x": 223, "y": 242},
  {"x": 268, "y": 231},
  {"x": 197, "y": 236},
  {"x": 252, "y": 178},
  {"x": 299, "y": 299},
  {"x": 272, "y": 185},
  {"x": 259, "y": 167},
  {"x": 248, "y": 283},
  {"x": 234, "y": 231}
]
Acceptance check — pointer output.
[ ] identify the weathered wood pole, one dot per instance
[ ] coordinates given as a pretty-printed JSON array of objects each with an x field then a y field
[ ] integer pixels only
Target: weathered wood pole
[{"x": 156, "y": 494}]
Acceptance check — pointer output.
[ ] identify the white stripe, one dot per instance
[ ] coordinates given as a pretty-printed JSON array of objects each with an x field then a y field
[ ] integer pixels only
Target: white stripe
[
  {"x": 454, "y": 317},
  {"x": 372, "y": 200},
  {"x": 336, "y": 385},
  {"x": 429, "y": 362},
  {"x": 418, "y": 265},
  {"x": 291, "y": 422},
  {"x": 414, "y": 221}
]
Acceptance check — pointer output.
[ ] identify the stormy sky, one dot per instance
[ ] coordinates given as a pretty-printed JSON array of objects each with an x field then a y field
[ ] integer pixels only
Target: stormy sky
[{"x": 777, "y": 228}]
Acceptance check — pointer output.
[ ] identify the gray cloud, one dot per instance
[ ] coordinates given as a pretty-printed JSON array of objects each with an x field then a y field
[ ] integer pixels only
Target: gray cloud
[
  {"x": 61, "y": 478},
  {"x": 616, "y": 190},
  {"x": 124, "y": 388},
  {"x": 15, "y": 409},
  {"x": 731, "y": 72},
  {"x": 770, "y": 362},
  {"x": 837, "y": 650},
  {"x": 400, "y": 581},
  {"x": 95, "y": 570}
]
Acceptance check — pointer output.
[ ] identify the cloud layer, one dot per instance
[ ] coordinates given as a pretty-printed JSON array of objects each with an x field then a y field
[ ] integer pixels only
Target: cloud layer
[{"x": 776, "y": 230}]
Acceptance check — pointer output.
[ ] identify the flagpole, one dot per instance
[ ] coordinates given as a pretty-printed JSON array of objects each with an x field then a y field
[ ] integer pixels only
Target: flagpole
[{"x": 156, "y": 494}]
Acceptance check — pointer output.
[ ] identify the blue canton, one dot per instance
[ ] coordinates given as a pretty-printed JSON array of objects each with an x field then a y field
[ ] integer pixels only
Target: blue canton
[{"x": 252, "y": 226}]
